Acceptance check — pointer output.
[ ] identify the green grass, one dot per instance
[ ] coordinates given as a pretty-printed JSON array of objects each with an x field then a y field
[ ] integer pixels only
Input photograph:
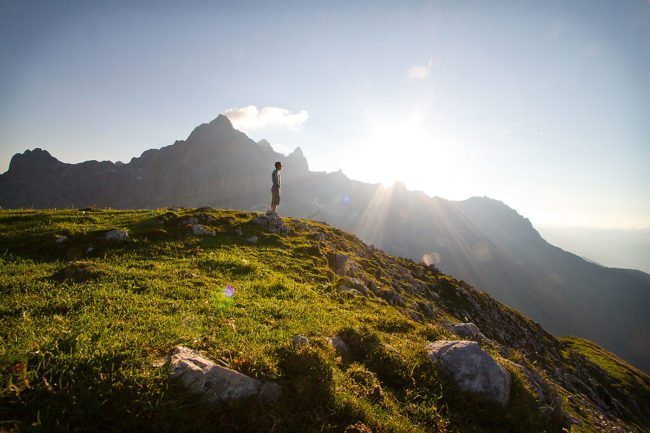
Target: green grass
[
  {"x": 617, "y": 377},
  {"x": 84, "y": 332}
]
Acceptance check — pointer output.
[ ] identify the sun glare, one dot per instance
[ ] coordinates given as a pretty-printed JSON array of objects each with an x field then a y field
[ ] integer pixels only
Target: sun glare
[{"x": 390, "y": 150}]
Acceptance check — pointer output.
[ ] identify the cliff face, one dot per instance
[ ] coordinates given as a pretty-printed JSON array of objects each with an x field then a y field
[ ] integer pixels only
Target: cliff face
[
  {"x": 479, "y": 240},
  {"x": 350, "y": 337}
]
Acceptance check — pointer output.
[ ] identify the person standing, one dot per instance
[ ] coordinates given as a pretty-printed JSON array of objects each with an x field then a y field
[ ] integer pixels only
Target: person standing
[{"x": 275, "y": 189}]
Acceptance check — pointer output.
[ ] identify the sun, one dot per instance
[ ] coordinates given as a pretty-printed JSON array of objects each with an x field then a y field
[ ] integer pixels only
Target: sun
[{"x": 390, "y": 151}]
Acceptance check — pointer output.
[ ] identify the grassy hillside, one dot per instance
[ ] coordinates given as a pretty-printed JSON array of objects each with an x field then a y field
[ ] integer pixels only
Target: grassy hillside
[{"x": 86, "y": 325}]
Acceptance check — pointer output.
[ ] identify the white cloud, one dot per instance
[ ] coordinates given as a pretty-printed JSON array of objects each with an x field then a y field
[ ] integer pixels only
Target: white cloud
[
  {"x": 421, "y": 72},
  {"x": 250, "y": 117}
]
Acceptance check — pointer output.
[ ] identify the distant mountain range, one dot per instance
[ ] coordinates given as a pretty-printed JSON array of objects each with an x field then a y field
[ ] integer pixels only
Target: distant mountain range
[
  {"x": 620, "y": 248},
  {"x": 479, "y": 240}
]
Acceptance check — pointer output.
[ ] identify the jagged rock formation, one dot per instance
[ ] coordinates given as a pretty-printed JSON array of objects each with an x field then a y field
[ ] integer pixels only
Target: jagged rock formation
[{"x": 479, "y": 240}]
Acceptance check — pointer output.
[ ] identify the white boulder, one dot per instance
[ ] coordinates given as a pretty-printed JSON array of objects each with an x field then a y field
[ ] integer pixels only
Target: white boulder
[{"x": 472, "y": 369}]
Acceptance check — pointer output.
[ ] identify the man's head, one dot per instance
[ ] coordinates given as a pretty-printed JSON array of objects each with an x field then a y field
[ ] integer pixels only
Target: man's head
[{"x": 278, "y": 165}]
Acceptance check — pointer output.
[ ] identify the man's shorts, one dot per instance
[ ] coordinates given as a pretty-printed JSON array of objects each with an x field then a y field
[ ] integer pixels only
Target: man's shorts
[{"x": 275, "y": 196}]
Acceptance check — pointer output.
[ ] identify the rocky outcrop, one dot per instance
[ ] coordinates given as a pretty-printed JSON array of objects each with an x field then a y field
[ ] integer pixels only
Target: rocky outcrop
[
  {"x": 272, "y": 222},
  {"x": 472, "y": 369}
]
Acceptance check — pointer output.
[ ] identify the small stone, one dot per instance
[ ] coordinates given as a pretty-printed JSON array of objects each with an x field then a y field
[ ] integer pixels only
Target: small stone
[
  {"x": 469, "y": 330},
  {"x": 190, "y": 275},
  {"x": 89, "y": 250},
  {"x": 60, "y": 239},
  {"x": 116, "y": 235},
  {"x": 191, "y": 220},
  {"x": 252, "y": 240},
  {"x": 299, "y": 341},
  {"x": 239, "y": 232},
  {"x": 200, "y": 230}
]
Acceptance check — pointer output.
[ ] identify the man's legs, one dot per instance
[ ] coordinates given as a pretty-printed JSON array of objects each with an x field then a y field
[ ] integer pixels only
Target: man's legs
[{"x": 275, "y": 199}]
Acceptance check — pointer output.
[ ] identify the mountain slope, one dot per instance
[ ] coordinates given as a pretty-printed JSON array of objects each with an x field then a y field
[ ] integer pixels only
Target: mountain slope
[
  {"x": 86, "y": 323},
  {"x": 479, "y": 240}
]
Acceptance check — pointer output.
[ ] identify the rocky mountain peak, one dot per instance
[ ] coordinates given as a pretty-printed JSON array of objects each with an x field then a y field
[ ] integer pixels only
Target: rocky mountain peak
[
  {"x": 212, "y": 132},
  {"x": 29, "y": 160},
  {"x": 297, "y": 160},
  {"x": 263, "y": 143}
]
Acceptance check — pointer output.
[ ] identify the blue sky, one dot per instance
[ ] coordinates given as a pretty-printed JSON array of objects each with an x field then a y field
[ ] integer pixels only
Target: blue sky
[{"x": 544, "y": 105}]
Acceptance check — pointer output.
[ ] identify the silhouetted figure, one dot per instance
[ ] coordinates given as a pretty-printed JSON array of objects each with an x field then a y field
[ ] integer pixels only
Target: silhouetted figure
[{"x": 275, "y": 189}]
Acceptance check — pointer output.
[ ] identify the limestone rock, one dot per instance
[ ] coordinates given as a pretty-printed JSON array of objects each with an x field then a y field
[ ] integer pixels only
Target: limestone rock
[
  {"x": 272, "y": 222},
  {"x": 215, "y": 383},
  {"x": 275, "y": 223},
  {"x": 200, "y": 230},
  {"x": 252, "y": 240},
  {"x": 472, "y": 369},
  {"x": 299, "y": 341},
  {"x": 347, "y": 284},
  {"x": 116, "y": 235},
  {"x": 469, "y": 330},
  {"x": 338, "y": 263}
]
